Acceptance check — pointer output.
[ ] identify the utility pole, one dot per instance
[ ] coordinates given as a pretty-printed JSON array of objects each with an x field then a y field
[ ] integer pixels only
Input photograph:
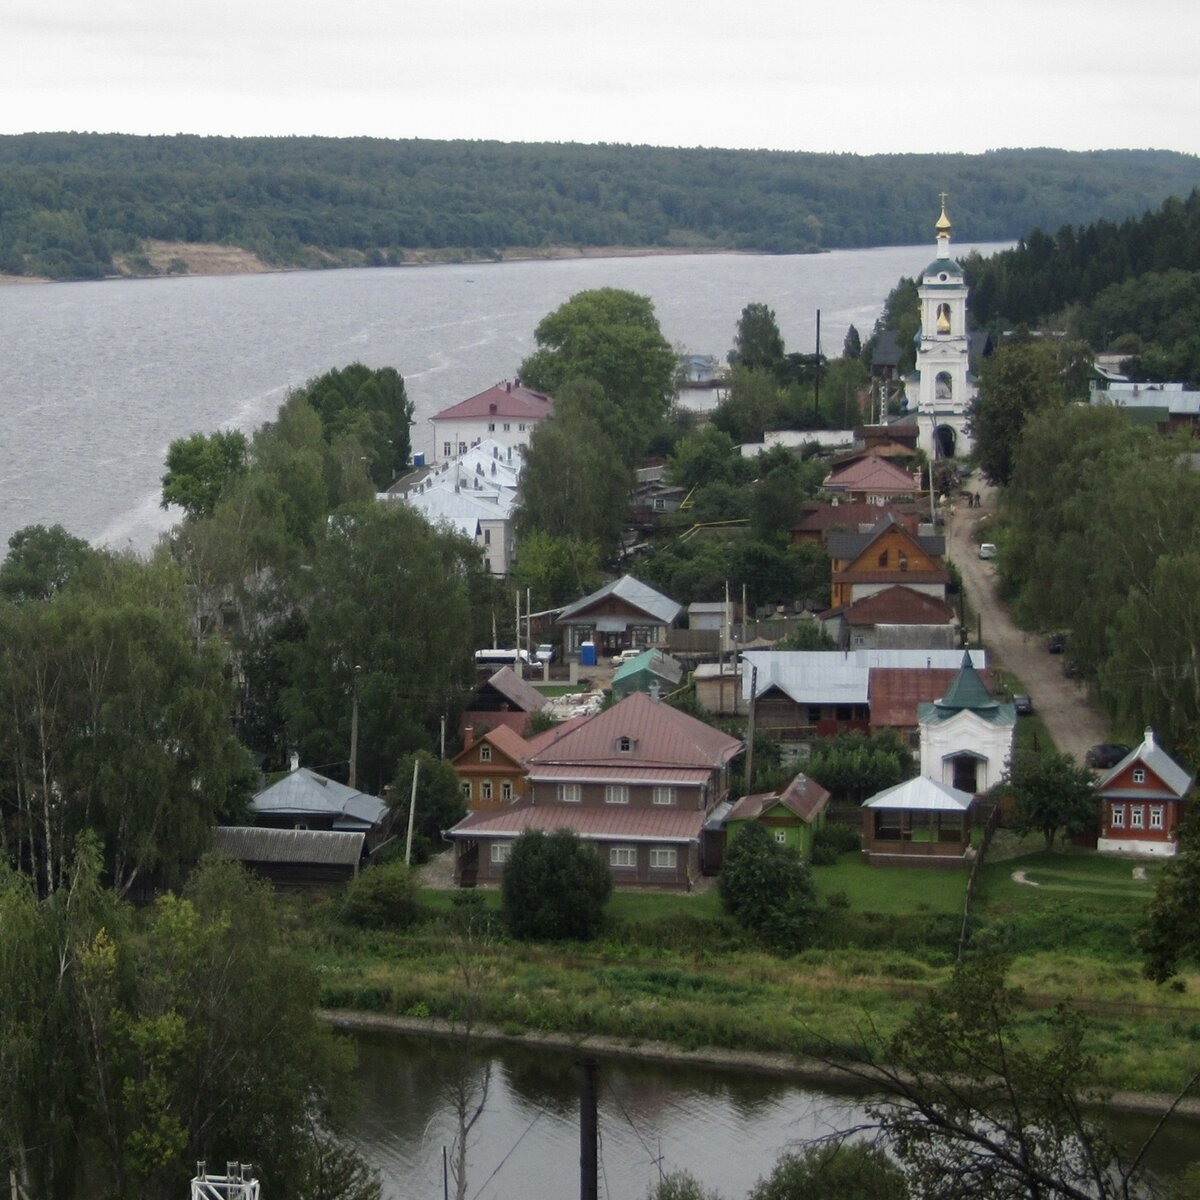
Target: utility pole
[
  {"x": 529, "y": 620},
  {"x": 817, "y": 365},
  {"x": 517, "y": 660},
  {"x": 412, "y": 812},
  {"x": 353, "y": 781},
  {"x": 443, "y": 738},
  {"x": 750, "y": 728},
  {"x": 589, "y": 1183}
]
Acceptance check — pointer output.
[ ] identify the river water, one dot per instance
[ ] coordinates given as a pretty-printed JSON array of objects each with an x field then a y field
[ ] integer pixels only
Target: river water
[
  {"x": 726, "y": 1127},
  {"x": 96, "y": 379}
]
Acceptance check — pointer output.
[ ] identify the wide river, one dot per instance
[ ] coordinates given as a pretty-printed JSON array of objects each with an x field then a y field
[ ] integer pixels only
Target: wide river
[{"x": 96, "y": 379}]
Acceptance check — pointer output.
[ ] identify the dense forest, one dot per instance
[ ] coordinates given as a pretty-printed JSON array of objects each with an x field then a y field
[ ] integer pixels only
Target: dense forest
[{"x": 70, "y": 201}]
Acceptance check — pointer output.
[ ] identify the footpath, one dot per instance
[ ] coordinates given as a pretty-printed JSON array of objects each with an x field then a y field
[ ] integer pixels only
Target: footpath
[{"x": 1063, "y": 704}]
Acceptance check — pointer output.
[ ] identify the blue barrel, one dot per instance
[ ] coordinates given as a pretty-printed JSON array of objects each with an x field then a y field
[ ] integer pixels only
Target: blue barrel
[{"x": 587, "y": 654}]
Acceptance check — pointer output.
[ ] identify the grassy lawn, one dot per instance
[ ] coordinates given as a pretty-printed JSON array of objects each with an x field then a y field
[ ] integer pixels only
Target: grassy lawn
[{"x": 898, "y": 890}]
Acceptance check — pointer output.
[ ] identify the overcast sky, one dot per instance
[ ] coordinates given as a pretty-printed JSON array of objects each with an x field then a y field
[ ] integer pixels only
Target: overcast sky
[{"x": 865, "y": 76}]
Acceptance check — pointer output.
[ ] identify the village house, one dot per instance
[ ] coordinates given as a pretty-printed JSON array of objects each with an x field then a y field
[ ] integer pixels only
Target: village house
[
  {"x": 491, "y": 769},
  {"x": 897, "y": 693},
  {"x": 888, "y": 556},
  {"x": 302, "y": 799},
  {"x": 638, "y": 781},
  {"x": 1142, "y": 800},
  {"x": 791, "y": 815},
  {"x": 507, "y": 414},
  {"x": 920, "y": 823},
  {"x": 623, "y": 615},
  {"x": 873, "y": 480},
  {"x": 894, "y": 618},
  {"x": 819, "y": 518},
  {"x": 503, "y": 698}
]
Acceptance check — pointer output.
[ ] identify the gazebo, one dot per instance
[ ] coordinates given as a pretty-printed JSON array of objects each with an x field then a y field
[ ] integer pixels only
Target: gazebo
[{"x": 920, "y": 823}]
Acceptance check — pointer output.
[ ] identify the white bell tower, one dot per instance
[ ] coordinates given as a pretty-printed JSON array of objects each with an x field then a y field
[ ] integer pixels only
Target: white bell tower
[{"x": 942, "y": 382}]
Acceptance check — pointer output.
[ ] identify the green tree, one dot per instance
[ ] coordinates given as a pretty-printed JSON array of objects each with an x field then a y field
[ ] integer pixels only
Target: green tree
[
  {"x": 852, "y": 346},
  {"x": 612, "y": 338},
  {"x": 853, "y": 766},
  {"x": 555, "y": 569},
  {"x": 381, "y": 896},
  {"x": 757, "y": 344},
  {"x": 834, "y": 1170},
  {"x": 554, "y": 887},
  {"x": 440, "y": 802},
  {"x": 752, "y": 406},
  {"x": 200, "y": 469},
  {"x": 768, "y": 889},
  {"x": 1053, "y": 794},
  {"x": 41, "y": 562},
  {"x": 1171, "y": 935},
  {"x": 1019, "y": 379}
]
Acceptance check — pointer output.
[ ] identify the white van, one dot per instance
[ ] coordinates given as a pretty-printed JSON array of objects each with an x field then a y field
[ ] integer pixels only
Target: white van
[
  {"x": 987, "y": 550},
  {"x": 497, "y": 657}
]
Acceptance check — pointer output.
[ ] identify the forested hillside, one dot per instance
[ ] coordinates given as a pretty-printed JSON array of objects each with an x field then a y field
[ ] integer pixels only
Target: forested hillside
[
  {"x": 1132, "y": 287},
  {"x": 69, "y": 201}
]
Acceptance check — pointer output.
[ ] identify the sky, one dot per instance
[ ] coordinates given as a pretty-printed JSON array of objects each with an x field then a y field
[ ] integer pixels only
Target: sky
[{"x": 860, "y": 76}]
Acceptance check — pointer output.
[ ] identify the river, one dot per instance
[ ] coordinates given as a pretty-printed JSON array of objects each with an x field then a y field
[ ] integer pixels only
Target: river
[
  {"x": 98, "y": 378},
  {"x": 727, "y": 1127}
]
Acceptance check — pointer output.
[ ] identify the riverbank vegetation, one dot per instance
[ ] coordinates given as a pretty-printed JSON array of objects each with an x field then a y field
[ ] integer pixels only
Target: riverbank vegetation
[{"x": 72, "y": 202}]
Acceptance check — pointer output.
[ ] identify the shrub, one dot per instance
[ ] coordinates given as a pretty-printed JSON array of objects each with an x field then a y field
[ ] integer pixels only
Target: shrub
[
  {"x": 844, "y": 839},
  {"x": 768, "y": 889},
  {"x": 823, "y": 855},
  {"x": 834, "y": 1171},
  {"x": 554, "y": 887},
  {"x": 381, "y": 897}
]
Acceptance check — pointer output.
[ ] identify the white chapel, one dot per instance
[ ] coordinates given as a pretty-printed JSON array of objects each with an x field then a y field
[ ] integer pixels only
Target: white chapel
[{"x": 942, "y": 388}]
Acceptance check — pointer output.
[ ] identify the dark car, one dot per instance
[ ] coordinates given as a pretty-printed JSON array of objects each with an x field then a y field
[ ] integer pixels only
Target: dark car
[
  {"x": 1056, "y": 643},
  {"x": 1023, "y": 704},
  {"x": 1105, "y": 755}
]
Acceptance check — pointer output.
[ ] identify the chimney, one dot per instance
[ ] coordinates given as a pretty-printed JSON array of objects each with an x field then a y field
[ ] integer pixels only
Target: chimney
[
  {"x": 293, "y": 761},
  {"x": 468, "y": 737},
  {"x": 508, "y": 387}
]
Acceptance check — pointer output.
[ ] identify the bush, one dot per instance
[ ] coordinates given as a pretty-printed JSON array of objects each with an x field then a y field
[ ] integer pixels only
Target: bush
[
  {"x": 554, "y": 887},
  {"x": 768, "y": 889},
  {"x": 381, "y": 897},
  {"x": 834, "y": 1171},
  {"x": 844, "y": 839},
  {"x": 823, "y": 855}
]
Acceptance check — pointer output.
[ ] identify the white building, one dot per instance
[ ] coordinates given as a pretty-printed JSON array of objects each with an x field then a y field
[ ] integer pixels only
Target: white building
[
  {"x": 942, "y": 388},
  {"x": 506, "y": 414}
]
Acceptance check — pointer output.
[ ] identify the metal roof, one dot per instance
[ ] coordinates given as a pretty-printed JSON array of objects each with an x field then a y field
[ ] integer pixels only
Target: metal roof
[
  {"x": 504, "y": 400},
  {"x": 922, "y": 795},
  {"x": 247, "y": 843},
  {"x": 609, "y": 823},
  {"x": 1151, "y": 755},
  {"x": 303, "y": 791},
  {"x": 633, "y": 592}
]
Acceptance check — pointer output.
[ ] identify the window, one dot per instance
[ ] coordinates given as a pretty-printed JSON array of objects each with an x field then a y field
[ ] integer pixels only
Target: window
[
  {"x": 507, "y": 426},
  {"x": 485, "y": 790},
  {"x": 485, "y": 753},
  {"x": 1156, "y": 816},
  {"x": 1118, "y": 816},
  {"x": 659, "y": 505},
  {"x": 506, "y": 790},
  {"x": 568, "y": 793},
  {"x": 445, "y": 449},
  {"x": 814, "y": 713},
  {"x": 664, "y": 795},
  {"x": 521, "y": 427},
  {"x": 860, "y": 639},
  {"x": 1139, "y": 776},
  {"x": 625, "y": 745},
  {"x": 491, "y": 427},
  {"x": 499, "y": 852},
  {"x": 487, "y": 537},
  {"x": 1136, "y": 816},
  {"x": 616, "y": 793},
  {"x": 622, "y": 856},
  {"x": 664, "y": 857},
  {"x": 781, "y": 836},
  {"x": 462, "y": 447},
  {"x": 883, "y": 559}
]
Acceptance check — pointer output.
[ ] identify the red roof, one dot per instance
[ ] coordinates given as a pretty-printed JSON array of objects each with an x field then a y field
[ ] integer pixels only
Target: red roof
[
  {"x": 899, "y": 606},
  {"x": 589, "y": 822},
  {"x": 895, "y": 692},
  {"x": 803, "y": 797},
  {"x": 661, "y": 736},
  {"x": 818, "y": 517},
  {"x": 873, "y": 474},
  {"x": 547, "y": 738},
  {"x": 507, "y": 400}
]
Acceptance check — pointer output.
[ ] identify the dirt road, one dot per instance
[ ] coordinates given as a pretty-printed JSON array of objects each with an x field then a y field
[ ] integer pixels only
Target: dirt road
[{"x": 1061, "y": 702}]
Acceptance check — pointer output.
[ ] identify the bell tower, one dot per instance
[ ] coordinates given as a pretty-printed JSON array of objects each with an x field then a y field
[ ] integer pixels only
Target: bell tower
[{"x": 942, "y": 386}]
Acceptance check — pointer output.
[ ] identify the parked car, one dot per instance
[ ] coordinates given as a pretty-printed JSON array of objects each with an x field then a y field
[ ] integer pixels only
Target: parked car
[
  {"x": 1056, "y": 643},
  {"x": 1023, "y": 704},
  {"x": 545, "y": 653},
  {"x": 625, "y": 656},
  {"x": 987, "y": 550},
  {"x": 1105, "y": 755}
]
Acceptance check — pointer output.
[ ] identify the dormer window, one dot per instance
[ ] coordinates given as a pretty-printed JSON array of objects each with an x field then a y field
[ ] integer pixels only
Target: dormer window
[
  {"x": 485, "y": 754},
  {"x": 625, "y": 745},
  {"x": 1139, "y": 776}
]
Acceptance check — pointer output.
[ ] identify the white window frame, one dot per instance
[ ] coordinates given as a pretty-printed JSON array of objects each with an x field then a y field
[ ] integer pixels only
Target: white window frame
[
  {"x": 506, "y": 789},
  {"x": 1156, "y": 816},
  {"x": 624, "y": 858},
  {"x": 664, "y": 858},
  {"x": 445, "y": 449},
  {"x": 1139, "y": 775},
  {"x": 499, "y": 852},
  {"x": 663, "y": 796},
  {"x": 781, "y": 836},
  {"x": 568, "y": 793},
  {"x": 1118, "y": 816},
  {"x": 485, "y": 790},
  {"x": 1137, "y": 817},
  {"x": 485, "y": 753},
  {"x": 616, "y": 793},
  {"x": 625, "y": 745}
]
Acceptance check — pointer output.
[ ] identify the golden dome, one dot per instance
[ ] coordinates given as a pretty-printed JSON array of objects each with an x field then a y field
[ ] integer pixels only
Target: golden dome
[{"x": 943, "y": 222}]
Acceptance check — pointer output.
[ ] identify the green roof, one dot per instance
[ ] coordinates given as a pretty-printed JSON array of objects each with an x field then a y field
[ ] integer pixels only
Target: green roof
[
  {"x": 967, "y": 691},
  {"x": 943, "y": 264}
]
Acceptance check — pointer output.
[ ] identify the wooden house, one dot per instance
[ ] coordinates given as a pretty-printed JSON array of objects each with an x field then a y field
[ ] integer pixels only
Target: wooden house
[
  {"x": 873, "y": 479},
  {"x": 1142, "y": 801},
  {"x": 792, "y": 816},
  {"x": 623, "y": 615},
  {"x": 293, "y": 858},
  {"x": 888, "y": 556},
  {"x": 491, "y": 769},
  {"x": 503, "y": 698}
]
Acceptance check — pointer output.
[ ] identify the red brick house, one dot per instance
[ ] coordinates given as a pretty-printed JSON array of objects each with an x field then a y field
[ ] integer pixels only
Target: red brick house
[
  {"x": 638, "y": 781},
  {"x": 1142, "y": 801}
]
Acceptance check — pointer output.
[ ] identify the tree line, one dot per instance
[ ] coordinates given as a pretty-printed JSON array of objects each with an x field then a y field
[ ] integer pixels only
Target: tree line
[{"x": 71, "y": 201}]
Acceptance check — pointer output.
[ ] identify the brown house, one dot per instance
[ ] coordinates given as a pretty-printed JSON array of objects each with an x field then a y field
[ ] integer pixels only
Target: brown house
[
  {"x": 491, "y": 769},
  {"x": 889, "y": 556},
  {"x": 895, "y": 618},
  {"x": 873, "y": 479},
  {"x": 623, "y": 615},
  {"x": 1142, "y": 801},
  {"x": 504, "y": 698},
  {"x": 819, "y": 518},
  {"x": 638, "y": 781}
]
